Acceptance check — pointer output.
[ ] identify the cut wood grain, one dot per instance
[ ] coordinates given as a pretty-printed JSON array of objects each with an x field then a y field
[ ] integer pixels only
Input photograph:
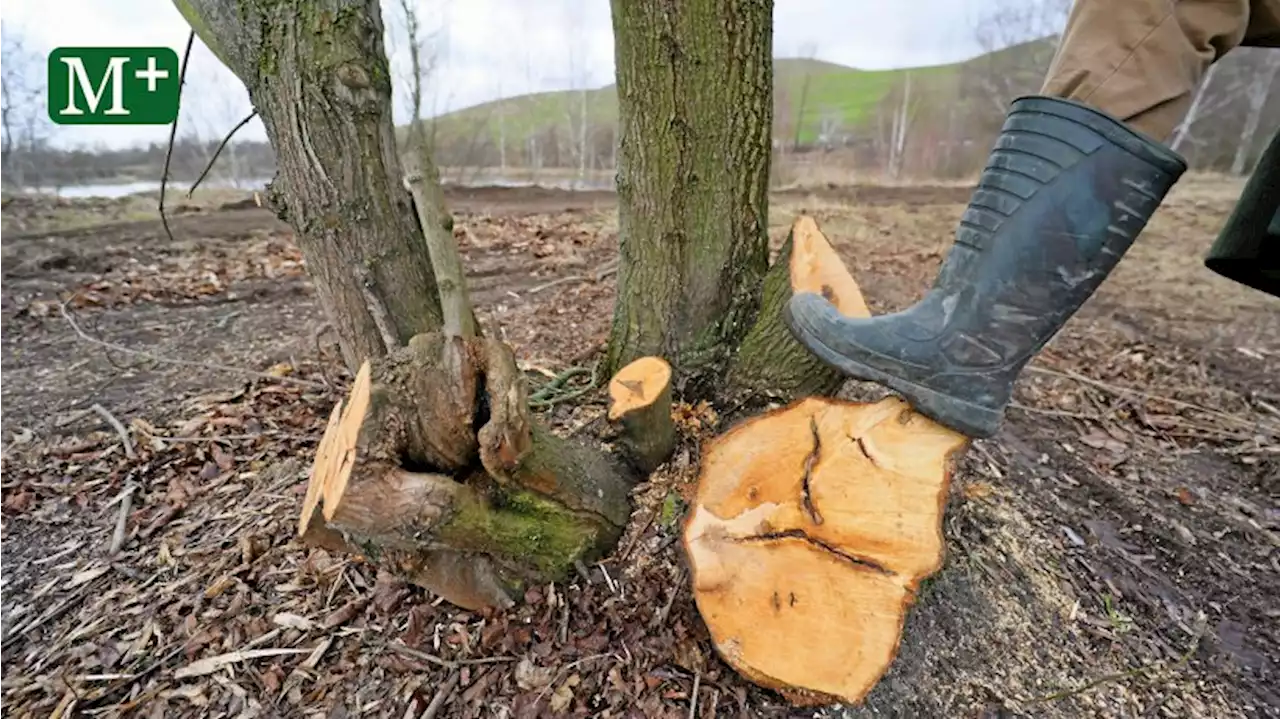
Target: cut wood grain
[
  {"x": 640, "y": 402},
  {"x": 814, "y": 524}
]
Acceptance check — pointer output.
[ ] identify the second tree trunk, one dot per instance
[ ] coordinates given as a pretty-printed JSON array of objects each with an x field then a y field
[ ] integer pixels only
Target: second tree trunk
[{"x": 695, "y": 100}]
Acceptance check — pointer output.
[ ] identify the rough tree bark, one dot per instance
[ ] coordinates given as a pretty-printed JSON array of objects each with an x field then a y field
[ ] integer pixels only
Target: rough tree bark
[
  {"x": 433, "y": 467},
  {"x": 317, "y": 74},
  {"x": 695, "y": 101},
  {"x": 770, "y": 360}
]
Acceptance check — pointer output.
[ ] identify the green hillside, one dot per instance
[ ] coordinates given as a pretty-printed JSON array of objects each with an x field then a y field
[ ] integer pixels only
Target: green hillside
[{"x": 831, "y": 93}]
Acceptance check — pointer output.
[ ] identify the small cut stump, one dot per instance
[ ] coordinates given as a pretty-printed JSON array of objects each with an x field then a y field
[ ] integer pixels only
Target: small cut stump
[
  {"x": 640, "y": 402},
  {"x": 433, "y": 468},
  {"x": 811, "y": 530}
]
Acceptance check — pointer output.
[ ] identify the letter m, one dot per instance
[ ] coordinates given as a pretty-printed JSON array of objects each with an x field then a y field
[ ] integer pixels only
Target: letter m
[{"x": 112, "y": 77}]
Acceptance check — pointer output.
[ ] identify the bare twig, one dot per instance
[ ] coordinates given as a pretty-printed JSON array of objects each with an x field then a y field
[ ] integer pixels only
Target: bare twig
[
  {"x": 442, "y": 695},
  {"x": 173, "y": 133},
  {"x": 421, "y": 655},
  {"x": 232, "y": 437},
  {"x": 1152, "y": 668},
  {"x": 693, "y": 696},
  {"x": 218, "y": 151},
  {"x": 1054, "y": 412},
  {"x": 119, "y": 428},
  {"x": 556, "y": 283},
  {"x": 73, "y": 600},
  {"x": 122, "y": 519},
  {"x": 447, "y": 663},
  {"x": 1116, "y": 389},
  {"x": 209, "y": 665},
  {"x": 175, "y": 361},
  {"x": 598, "y": 274}
]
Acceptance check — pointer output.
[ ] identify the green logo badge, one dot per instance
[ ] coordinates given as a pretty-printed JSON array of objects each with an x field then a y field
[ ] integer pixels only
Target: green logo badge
[{"x": 113, "y": 85}]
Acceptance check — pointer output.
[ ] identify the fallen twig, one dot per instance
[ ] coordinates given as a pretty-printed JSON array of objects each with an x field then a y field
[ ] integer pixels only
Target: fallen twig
[
  {"x": 173, "y": 133},
  {"x": 210, "y": 665},
  {"x": 693, "y": 696},
  {"x": 175, "y": 361},
  {"x": 442, "y": 695},
  {"x": 119, "y": 428},
  {"x": 122, "y": 519},
  {"x": 1054, "y": 412},
  {"x": 73, "y": 600},
  {"x": 1120, "y": 676},
  {"x": 601, "y": 272},
  {"x": 1116, "y": 389},
  {"x": 272, "y": 434},
  {"x": 447, "y": 663},
  {"x": 218, "y": 151}
]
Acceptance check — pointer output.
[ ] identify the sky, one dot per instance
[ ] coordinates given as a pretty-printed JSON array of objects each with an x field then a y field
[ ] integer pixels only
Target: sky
[{"x": 492, "y": 48}]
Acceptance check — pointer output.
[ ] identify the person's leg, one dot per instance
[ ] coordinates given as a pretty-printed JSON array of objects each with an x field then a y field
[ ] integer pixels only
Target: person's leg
[
  {"x": 1072, "y": 180},
  {"x": 1140, "y": 61}
]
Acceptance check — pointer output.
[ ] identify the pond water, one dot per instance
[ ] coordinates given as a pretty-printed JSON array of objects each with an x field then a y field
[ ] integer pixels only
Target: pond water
[{"x": 124, "y": 189}]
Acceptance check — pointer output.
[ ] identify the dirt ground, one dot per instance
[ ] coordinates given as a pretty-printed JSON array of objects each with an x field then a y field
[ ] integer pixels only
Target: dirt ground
[{"x": 1115, "y": 551}]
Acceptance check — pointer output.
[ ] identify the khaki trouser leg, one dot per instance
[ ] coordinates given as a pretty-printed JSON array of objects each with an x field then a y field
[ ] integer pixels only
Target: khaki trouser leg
[{"x": 1141, "y": 60}]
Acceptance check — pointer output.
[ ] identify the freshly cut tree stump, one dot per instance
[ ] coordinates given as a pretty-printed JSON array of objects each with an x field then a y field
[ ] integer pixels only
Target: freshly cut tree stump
[
  {"x": 770, "y": 359},
  {"x": 403, "y": 477},
  {"x": 640, "y": 401},
  {"x": 814, "y": 524}
]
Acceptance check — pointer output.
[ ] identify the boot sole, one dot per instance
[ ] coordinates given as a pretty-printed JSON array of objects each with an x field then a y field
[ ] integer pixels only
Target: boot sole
[{"x": 972, "y": 420}]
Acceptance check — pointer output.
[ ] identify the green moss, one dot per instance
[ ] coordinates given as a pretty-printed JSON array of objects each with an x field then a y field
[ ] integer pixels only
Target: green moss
[
  {"x": 523, "y": 528},
  {"x": 672, "y": 509}
]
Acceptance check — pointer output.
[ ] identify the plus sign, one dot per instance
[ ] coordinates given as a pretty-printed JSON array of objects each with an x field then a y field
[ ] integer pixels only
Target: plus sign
[{"x": 151, "y": 74}]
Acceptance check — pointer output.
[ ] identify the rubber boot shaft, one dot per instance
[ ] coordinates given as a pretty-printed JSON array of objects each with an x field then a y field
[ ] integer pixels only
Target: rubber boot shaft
[{"x": 1065, "y": 192}]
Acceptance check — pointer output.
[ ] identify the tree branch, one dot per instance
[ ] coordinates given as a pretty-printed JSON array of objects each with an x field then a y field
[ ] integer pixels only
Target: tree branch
[
  {"x": 173, "y": 132},
  {"x": 218, "y": 151}
]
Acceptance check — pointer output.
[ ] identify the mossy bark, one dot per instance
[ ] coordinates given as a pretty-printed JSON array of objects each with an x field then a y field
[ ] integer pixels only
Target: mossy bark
[
  {"x": 770, "y": 360},
  {"x": 449, "y": 466},
  {"x": 317, "y": 74},
  {"x": 695, "y": 97},
  {"x": 527, "y": 533}
]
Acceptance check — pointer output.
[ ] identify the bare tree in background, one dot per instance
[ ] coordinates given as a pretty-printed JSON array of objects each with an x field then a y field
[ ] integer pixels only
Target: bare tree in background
[
  {"x": 423, "y": 55},
  {"x": 901, "y": 125},
  {"x": 808, "y": 52},
  {"x": 829, "y": 126},
  {"x": 1034, "y": 24},
  {"x": 578, "y": 80},
  {"x": 1183, "y": 131},
  {"x": 1257, "y": 93},
  {"x": 22, "y": 111}
]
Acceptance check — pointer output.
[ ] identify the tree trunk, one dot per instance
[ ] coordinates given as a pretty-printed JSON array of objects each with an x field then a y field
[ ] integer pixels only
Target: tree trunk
[
  {"x": 695, "y": 102},
  {"x": 434, "y": 467},
  {"x": 318, "y": 76}
]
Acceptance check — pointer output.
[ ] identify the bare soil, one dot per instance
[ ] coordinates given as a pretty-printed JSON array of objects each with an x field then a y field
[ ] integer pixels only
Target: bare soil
[{"x": 1115, "y": 551}]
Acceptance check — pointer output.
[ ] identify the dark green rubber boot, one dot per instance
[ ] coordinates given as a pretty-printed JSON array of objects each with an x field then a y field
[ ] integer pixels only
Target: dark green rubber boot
[{"x": 1064, "y": 194}]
